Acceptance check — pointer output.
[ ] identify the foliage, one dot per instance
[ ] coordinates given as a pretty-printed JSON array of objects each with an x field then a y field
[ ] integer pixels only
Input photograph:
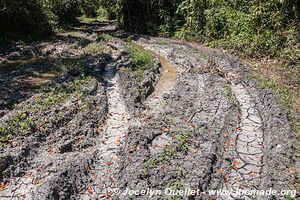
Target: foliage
[
  {"x": 65, "y": 10},
  {"x": 28, "y": 19},
  {"x": 250, "y": 27},
  {"x": 141, "y": 59},
  {"x": 20, "y": 17},
  {"x": 90, "y": 7}
]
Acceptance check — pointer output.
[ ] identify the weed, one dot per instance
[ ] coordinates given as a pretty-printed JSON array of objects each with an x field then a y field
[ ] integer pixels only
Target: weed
[
  {"x": 105, "y": 37},
  {"x": 141, "y": 60},
  {"x": 180, "y": 145},
  {"x": 56, "y": 95},
  {"x": 164, "y": 43},
  {"x": 228, "y": 89},
  {"x": 94, "y": 48},
  {"x": 19, "y": 123},
  {"x": 284, "y": 94}
]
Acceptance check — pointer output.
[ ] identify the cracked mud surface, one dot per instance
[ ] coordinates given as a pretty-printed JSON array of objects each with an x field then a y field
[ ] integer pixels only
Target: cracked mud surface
[{"x": 194, "y": 121}]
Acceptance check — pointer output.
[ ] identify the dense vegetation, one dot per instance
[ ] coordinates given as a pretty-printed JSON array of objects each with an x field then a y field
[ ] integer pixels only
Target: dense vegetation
[
  {"x": 254, "y": 27},
  {"x": 29, "y": 19}
]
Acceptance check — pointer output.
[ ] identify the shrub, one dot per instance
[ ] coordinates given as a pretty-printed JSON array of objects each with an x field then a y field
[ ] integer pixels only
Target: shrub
[
  {"x": 19, "y": 18},
  {"x": 66, "y": 10}
]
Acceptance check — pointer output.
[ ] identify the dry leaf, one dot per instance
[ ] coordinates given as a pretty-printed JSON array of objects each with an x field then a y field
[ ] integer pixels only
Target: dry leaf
[
  {"x": 221, "y": 170},
  {"x": 90, "y": 190},
  {"x": 236, "y": 163},
  {"x": 118, "y": 141},
  {"x": 103, "y": 141},
  {"x": 138, "y": 148},
  {"x": 3, "y": 185},
  {"x": 99, "y": 130}
]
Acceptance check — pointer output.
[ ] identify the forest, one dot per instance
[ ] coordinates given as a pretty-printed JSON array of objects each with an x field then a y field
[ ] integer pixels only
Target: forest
[
  {"x": 111, "y": 99},
  {"x": 260, "y": 27}
]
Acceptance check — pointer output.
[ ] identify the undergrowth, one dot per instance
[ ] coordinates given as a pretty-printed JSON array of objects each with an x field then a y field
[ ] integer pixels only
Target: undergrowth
[
  {"x": 22, "y": 123},
  {"x": 142, "y": 60}
]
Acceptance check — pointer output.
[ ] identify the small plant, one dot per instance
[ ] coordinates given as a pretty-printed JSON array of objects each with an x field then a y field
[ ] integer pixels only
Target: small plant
[
  {"x": 105, "y": 37},
  {"x": 172, "y": 151},
  {"x": 284, "y": 94},
  {"x": 94, "y": 48},
  {"x": 20, "y": 123},
  {"x": 141, "y": 59},
  {"x": 228, "y": 89},
  {"x": 56, "y": 95}
]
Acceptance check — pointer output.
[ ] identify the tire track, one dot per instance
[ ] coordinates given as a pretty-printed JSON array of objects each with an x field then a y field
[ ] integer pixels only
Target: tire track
[
  {"x": 111, "y": 139},
  {"x": 246, "y": 146}
]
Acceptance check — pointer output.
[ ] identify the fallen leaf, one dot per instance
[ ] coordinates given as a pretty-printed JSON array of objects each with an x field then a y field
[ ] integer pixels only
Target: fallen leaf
[
  {"x": 87, "y": 169},
  {"x": 166, "y": 129},
  {"x": 118, "y": 141},
  {"x": 138, "y": 148},
  {"x": 221, "y": 170},
  {"x": 29, "y": 174},
  {"x": 111, "y": 179},
  {"x": 227, "y": 142},
  {"x": 252, "y": 173},
  {"x": 90, "y": 190},
  {"x": 109, "y": 163},
  {"x": 225, "y": 179},
  {"x": 99, "y": 130},
  {"x": 14, "y": 143},
  {"x": 3, "y": 185},
  {"x": 237, "y": 163},
  {"x": 103, "y": 141}
]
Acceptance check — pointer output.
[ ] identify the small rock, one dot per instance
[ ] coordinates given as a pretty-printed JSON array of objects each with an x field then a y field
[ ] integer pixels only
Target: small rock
[{"x": 166, "y": 96}]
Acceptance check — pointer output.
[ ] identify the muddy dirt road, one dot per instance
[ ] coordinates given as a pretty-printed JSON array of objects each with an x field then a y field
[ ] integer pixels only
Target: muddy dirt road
[{"x": 77, "y": 123}]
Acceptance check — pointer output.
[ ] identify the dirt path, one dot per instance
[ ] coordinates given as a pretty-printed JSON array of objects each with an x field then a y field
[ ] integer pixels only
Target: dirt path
[{"x": 92, "y": 129}]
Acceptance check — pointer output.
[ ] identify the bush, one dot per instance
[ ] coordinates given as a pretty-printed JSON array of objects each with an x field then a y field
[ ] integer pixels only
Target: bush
[
  {"x": 66, "y": 10},
  {"x": 23, "y": 18},
  {"x": 89, "y": 8},
  {"x": 29, "y": 19}
]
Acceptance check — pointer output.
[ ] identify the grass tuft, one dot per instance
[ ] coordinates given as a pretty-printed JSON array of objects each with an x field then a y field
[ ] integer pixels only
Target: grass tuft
[{"x": 142, "y": 60}]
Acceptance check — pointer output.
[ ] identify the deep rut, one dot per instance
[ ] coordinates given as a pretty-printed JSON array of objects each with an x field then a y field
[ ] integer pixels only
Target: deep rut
[
  {"x": 245, "y": 152},
  {"x": 110, "y": 141},
  {"x": 246, "y": 146},
  {"x": 199, "y": 126}
]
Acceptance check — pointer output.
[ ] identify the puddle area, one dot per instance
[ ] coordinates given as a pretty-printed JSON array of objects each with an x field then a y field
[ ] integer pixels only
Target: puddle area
[
  {"x": 13, "y": 65},
  {"x": 165, "y": 84},
  {"x": 168, "y": 77},
  {"x": 31, "y": 81}
]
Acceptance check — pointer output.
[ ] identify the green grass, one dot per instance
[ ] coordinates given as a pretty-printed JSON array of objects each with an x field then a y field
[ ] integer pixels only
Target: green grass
[
  {"x": 105, "y": 37},
  {"x": 287, "y": 97},
  {"x": 142, "y": 60},
  {"x": 228, "y": 89},
  {"x": 94, "y": 48},
  {"x": 21, "y": 123},
  {"x": 164, "y": 43},
  {"x": 284, "y": 95},
  {"x": 87, "y": 20},
  {"x": 55, "y": 95},
  {"x": 179, "y": 145}
]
